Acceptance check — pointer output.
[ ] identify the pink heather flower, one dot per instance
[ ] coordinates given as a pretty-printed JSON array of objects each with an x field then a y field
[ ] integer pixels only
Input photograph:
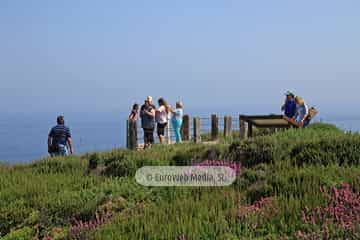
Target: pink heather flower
[
  {"x": 80, "y": 227},
  {"x": 182, "y": 237},
  {"x": 343, "y": 210},
  {"x": 235, "y": 166}
]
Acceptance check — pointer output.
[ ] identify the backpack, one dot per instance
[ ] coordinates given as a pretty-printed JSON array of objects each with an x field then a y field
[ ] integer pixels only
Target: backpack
[{"x": 312, "y": 112}]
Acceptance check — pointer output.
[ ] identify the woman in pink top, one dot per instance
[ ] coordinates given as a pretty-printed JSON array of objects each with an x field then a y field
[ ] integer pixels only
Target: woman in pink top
[{"x": 161, "y": 118}]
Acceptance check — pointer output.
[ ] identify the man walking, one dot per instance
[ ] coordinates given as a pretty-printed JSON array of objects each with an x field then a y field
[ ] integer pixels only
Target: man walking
[{"x": 59, "y": 140}]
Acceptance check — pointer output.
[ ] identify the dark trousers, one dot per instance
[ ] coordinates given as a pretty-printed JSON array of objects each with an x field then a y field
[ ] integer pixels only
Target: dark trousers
[{"x": 148, "y": 135}]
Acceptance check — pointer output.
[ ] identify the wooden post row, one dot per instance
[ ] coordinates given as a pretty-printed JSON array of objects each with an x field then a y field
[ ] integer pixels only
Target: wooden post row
[
  {"x": 214, "y": 127},
  {"x": 242, "y": 127},
  {"x": 197, "y": 130},
  {"x": 227, "y": 126},
  {"x": 185, "y": 128}
]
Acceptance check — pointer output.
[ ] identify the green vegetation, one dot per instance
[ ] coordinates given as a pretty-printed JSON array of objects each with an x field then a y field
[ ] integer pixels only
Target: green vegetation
[{"x": 95, "y": 196}]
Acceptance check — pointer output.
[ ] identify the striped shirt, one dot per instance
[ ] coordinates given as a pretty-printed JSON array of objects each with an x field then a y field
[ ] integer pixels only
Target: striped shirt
[{"x": 59, "y": 134}]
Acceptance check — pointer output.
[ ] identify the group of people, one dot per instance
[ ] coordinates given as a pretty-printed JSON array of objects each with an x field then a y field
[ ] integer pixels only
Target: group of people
[
  {"x": 160, "y": 117},
  {"x": 296, "y": 110},
  {"x": 60, "y": 142}
]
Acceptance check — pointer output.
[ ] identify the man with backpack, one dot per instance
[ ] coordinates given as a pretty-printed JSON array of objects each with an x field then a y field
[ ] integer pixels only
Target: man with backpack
[{"x": 59, "y": 139}]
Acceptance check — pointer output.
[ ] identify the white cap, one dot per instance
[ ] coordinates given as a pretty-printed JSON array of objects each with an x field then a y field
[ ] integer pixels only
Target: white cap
[{"x": 149, "y": 98}]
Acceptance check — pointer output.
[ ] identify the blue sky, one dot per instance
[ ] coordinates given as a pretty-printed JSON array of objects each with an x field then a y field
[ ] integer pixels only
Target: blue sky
[{"x": 88, "y": 55}]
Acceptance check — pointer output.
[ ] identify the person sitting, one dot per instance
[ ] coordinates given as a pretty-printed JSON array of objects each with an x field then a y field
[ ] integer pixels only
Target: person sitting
[
  {"x": 289, "y": 107},
  {"x": 301, "y": 116},
  {"x": 59, "y": 139}
]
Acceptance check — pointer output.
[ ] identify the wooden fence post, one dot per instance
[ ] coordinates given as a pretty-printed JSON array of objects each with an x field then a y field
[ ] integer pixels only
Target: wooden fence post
[
  {"x": 250, "y": 130},
  {"x": 242, "y": 127},
  {"x": 185, "y": 128},
  {"x": 227, "y": 126},
  {"x": 197, "y": 131},
  {"x": 131, "y": 141},
  {"x": 214, "y": 127}
]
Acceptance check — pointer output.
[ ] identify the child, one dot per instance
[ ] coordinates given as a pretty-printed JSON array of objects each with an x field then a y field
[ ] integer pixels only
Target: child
[{"x": 177, "y": 120}]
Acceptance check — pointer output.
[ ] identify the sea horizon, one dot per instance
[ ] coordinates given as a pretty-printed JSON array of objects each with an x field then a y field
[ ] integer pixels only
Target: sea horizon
[{"x": 24, "y": 135}]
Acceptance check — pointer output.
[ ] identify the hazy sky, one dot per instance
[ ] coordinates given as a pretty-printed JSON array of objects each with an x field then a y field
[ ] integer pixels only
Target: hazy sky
[{"x": 88, "y": 55}]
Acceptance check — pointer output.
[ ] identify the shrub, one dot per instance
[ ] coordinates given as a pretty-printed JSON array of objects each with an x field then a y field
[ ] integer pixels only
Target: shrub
[
  {"x": 340, "y": 150},
  {"x": 259, "y": 190},
  {"x": 254, "y": 151},
  {"x": 325, "y": 127},
  {"x": 70, "y": 164},
  {"x": 186, "y": 157},
  {"x": 13, "y": 214},
  {"x": 121, "y": 167},
  {"x": 342, "y": 212},
  {"x": 94, "y": 160},
  {"x": 125, "y": 163},
  {"x": 318, "y": 144},
  {"x": 25, "y": 233}
]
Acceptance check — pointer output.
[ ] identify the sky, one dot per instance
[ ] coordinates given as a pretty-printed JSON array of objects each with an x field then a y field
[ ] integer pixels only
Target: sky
[{"x": 89, "y": 55}]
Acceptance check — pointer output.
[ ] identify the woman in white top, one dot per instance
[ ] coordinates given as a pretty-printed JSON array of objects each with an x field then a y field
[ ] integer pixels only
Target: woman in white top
[
  {"x": 302, "y": 112},
  {"x": 162, "y": 118}
]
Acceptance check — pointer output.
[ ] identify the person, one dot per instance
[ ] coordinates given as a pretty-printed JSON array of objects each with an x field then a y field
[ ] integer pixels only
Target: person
[
  {"x": 59, "y": 139},
  {"x": 162, "y": 114},
  {"x": 289, "y": 107},
  {"x": 302, "y": 112},
  {"x": 147, "y": 115},
  {"x": 176, "y": 120},
  {"x": 134, "y": 113}
]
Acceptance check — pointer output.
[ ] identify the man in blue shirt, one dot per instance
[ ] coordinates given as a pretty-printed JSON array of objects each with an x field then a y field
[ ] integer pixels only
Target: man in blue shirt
[
  {"x": 289, "y": 107},
  {"x": 60, "y": 139}
]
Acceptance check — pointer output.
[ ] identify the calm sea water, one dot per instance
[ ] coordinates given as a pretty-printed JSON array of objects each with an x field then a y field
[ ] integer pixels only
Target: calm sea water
[{"x": 23, "y": 136}]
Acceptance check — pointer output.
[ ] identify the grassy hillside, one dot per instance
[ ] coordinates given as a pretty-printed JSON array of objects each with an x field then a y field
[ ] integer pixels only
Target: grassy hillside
[{"x": 297, "y": 184}]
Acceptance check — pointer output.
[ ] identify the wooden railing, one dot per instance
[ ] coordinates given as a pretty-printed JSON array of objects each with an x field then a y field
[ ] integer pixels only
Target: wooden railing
[{"x": 192, "y": 129}]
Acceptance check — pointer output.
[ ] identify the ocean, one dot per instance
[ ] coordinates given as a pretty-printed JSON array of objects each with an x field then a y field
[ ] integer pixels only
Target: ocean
[{"x": 23, "y": 136}]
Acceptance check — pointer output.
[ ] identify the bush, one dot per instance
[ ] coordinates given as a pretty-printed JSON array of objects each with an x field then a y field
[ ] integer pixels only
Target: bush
[
  {"x": 258, "y": 191},
  {"x": 195, "y": 153},
  {"x": 13, "y": 214},
  {"x": 254, "y": 151},
  {"x": 70, "y": 164},
  {"x": 125, "y": 162},
  {"x": 94, "y": 160},
  {"x": 25, "y": 233},
  {"x": 121, "y": 167},
  {"x": 318, "y": 144},
  {"x": 325, "y": 127},
  {"x": 340, "y": 150}
]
